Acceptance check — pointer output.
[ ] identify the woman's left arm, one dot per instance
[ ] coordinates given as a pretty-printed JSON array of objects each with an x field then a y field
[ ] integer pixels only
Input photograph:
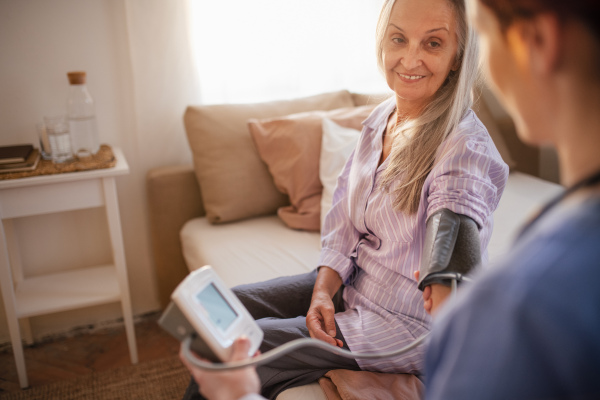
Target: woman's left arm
[{"x": 469, "y": 180}]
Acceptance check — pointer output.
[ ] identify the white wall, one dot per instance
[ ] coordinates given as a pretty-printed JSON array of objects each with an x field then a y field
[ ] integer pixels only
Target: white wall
[{"x": 40, "y": 40}]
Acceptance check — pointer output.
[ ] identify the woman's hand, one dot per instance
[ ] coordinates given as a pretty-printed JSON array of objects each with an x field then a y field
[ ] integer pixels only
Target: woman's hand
[
  {"x": 226, "y": 385},
  {"x": 320, "y": 318},
  {"x": 434, "y": 296}
]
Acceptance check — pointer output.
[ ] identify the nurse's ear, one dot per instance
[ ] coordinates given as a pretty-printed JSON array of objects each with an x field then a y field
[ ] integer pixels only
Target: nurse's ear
[{"x": 536, "y": 43}]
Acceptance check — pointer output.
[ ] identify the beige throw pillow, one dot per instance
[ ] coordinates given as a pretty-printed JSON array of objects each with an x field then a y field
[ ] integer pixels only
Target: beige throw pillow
[
  {"x": 234, "y": 182},
  {"x": 291, "y": 148}
]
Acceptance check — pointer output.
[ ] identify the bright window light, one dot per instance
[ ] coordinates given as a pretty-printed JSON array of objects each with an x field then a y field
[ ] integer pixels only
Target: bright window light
[{"x": 260, "y": 50}]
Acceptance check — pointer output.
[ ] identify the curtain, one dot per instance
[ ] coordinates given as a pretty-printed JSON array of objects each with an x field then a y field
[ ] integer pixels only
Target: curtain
[
  {"x": 159, "y": 82},
  {"x": 164, "y": 81}
]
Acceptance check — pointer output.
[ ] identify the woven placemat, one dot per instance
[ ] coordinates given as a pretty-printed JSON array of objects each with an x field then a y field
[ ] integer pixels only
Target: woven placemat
[
  {"x": 104, "y": 158},
  {"x": 164, "y": 379}
]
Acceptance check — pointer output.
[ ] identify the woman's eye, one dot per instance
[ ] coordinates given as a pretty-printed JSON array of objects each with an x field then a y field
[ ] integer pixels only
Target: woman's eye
[
  {"x": 434, "y": 45},
  {"x": 398, "y": 40}
]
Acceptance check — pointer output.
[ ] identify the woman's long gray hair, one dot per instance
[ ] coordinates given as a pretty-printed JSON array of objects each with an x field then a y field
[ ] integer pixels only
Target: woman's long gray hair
[{"x": 412, "y": 162}]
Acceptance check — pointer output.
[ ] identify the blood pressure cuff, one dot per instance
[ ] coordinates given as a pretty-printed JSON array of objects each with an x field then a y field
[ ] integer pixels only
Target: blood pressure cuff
[{"x": 451, "y": 248}]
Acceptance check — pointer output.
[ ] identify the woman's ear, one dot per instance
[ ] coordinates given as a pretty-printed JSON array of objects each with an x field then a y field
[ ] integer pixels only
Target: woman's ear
[{"x": 456, "y": 65}]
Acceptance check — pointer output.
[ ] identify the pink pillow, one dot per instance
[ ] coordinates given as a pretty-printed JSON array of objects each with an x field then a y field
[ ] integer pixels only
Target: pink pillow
[{"x": 291, "y": 148}]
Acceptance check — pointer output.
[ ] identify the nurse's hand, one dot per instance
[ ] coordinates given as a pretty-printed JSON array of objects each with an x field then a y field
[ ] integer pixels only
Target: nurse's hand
[
  {"x": 434, "y": 296},
  {"x": 226, "y": 385}
]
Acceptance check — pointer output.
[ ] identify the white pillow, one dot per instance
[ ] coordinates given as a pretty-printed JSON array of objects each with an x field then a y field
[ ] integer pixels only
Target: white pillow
[{"x": 337, "y": 144}]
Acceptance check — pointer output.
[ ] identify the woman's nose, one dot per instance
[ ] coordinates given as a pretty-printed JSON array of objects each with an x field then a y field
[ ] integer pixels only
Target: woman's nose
[{"x": 412, "y": 58}]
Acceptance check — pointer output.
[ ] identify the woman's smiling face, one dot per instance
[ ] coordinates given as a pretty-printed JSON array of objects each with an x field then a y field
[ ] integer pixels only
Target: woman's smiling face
[{"x": 419, "y": 49}]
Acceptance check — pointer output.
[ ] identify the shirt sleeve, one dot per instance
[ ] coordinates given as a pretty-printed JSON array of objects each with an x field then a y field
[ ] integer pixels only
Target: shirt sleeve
[
  {"x": 339, "y": 236},
  {"x": 469, "y": 179}
]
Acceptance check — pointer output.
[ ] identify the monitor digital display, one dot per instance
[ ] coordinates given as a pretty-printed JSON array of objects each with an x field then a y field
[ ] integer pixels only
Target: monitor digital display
[{"x": 218, "y": 309}]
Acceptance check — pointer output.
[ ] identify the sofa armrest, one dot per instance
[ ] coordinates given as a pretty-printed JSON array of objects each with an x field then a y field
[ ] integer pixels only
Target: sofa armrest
[{"x": 173, "y": 199}]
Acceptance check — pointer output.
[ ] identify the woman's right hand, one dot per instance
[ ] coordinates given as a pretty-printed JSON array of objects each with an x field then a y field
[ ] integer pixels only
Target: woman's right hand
[{"x": 320, "y": 318}]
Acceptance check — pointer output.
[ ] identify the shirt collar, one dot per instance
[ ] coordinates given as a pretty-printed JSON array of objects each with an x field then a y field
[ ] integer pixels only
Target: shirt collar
[{"x": 381, "y": 113}]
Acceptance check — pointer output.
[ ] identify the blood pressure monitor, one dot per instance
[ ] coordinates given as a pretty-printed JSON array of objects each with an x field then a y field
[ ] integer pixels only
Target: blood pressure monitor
[{"x": 202, "y": 306}]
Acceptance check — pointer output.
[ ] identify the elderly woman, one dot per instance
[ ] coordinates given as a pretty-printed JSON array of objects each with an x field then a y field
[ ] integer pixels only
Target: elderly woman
[
  {"x": 543, "y": 341},
  {"x": 422, "y": 151}
]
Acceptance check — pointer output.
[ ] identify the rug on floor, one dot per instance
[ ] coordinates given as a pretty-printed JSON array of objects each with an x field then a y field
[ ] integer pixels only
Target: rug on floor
[{"x": 159, "y": 379}]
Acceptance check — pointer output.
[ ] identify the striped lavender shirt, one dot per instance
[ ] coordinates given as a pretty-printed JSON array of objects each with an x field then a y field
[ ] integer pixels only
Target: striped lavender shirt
[{"x": 375, "y": 249}]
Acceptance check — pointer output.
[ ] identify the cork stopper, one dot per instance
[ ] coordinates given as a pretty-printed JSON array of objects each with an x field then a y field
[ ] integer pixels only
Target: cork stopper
[{"x": 76, "y": 77}]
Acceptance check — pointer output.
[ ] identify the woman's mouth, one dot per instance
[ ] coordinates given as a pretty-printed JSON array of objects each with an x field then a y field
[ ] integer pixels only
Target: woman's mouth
[{"x": 411, "y": 78}]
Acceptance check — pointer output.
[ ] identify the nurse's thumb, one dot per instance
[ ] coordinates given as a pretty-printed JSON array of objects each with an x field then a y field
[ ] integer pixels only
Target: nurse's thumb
[{"x": 240, "y": 349}]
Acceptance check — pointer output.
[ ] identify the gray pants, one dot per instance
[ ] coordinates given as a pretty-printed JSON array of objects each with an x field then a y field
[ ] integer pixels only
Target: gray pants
[{"x": 279, "y": 306}]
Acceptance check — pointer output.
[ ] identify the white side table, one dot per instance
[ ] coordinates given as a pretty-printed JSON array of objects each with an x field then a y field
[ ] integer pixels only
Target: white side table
[{"x": 28, "y": 297}]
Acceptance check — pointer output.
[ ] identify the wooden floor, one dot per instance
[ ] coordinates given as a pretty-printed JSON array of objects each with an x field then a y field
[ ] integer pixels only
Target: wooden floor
[{"x": 83, "y": 354}]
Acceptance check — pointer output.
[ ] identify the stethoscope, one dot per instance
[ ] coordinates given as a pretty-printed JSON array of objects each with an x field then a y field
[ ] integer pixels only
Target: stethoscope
[{"x": 300, "y": 343}]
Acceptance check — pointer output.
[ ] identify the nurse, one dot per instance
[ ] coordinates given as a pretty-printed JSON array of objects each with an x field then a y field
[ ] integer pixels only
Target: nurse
[{"x": 543, "y": 340}]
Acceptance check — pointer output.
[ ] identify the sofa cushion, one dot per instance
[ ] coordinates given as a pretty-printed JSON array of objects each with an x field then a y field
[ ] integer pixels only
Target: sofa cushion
[
  {"x": 361, "y": 99},
  {"x": 253, "y": 250},
  {"x": 234, "y": 182},
  {"x": 291, "y": 147},
  {"x": 523, "y": 196}
]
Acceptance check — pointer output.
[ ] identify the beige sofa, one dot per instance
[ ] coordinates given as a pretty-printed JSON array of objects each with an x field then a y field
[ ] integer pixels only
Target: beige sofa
[{"x": 223, "y": 210}]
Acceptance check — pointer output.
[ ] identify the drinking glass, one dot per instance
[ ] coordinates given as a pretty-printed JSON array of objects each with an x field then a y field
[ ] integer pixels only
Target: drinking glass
[
  {"x": 57, "y": 129},
  {"x": 45, "y": 150}
]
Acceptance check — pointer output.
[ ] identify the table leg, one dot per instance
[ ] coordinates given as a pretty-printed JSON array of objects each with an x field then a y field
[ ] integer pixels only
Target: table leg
[
  {"x": 14, "y": 257},
  {"x": 26, "y": 330},
  {"x": 116, "y": 239},
  {"x": 8, "y": 295}
]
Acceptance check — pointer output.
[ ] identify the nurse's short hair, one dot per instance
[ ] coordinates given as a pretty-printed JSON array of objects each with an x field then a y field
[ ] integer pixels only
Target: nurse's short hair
[{"x": 508, "y": 11}]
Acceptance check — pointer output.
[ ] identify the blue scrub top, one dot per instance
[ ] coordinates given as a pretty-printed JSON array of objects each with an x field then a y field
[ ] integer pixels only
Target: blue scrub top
[{"x": 529, "y": 327}]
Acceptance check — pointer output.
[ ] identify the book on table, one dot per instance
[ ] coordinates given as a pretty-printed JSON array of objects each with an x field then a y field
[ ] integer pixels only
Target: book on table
[
  {"x": 15, "y": 154},
  {"x": 28, "y": 165}
]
